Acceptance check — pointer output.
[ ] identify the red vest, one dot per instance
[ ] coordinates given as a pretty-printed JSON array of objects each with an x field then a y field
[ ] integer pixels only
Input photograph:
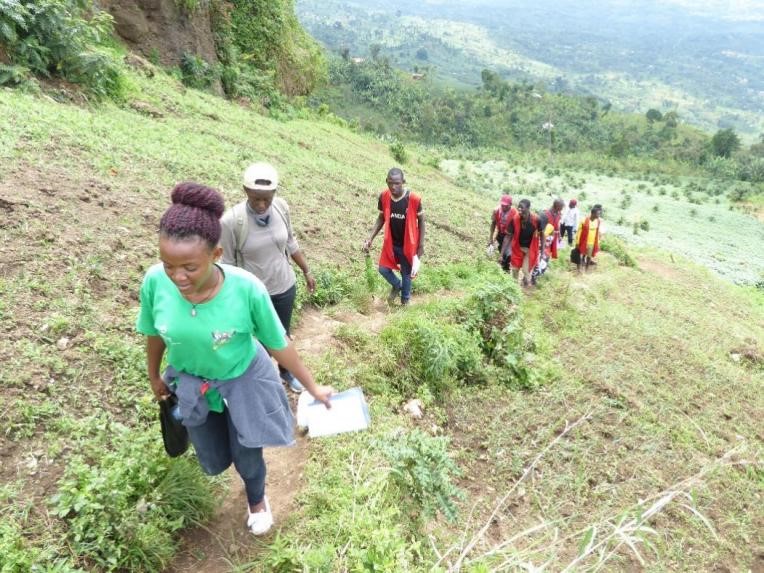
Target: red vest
[
  {"x": 533, "y": 252},
  {"x": 410, "y": 237},
  {"x": 583, "y": 239},
  {"x": 502, "y": 227},
  {"x": 554, "y": 220}
]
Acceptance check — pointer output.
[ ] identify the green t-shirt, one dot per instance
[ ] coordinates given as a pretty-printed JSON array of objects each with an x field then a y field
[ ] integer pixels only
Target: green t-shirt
[{"x": 217, "y": 343}]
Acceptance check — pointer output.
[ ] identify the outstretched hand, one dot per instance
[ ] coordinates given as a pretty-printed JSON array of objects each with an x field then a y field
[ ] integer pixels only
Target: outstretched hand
[
  {"x": 323, "y": 394},
  {"x": 366, "y": 246}
]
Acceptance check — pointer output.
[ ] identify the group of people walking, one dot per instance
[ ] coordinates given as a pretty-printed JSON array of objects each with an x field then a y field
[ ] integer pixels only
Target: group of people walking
[
  {"x": 219, "y": 306},
  {"x": 527, "y": 240}
]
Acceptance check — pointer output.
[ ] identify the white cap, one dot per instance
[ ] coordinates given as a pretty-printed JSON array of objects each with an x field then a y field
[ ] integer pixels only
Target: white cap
[{"x": 260, "y": 177}]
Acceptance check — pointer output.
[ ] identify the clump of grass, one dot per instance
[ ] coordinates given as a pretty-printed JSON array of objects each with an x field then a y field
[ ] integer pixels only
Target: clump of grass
[
  {"x": 431, "y": 352},
  {"x": 121, "y": 513},
  {"x": 332, "y": 286},
  {"x": 617, "y": 248}
]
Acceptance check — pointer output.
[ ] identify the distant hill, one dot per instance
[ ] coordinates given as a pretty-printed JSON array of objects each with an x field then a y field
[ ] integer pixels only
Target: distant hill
[{"x": 699, "y": 59}]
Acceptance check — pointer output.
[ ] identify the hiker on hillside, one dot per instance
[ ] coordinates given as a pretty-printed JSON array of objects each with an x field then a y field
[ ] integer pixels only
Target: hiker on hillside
[
  {"x": 500, "y": 220},
  {"x": 400, "y": 213},
  {"x": 569, "y": 223},
  {"x": 212, "y": 320},
  {"x": 553, "y": 217},
  {"x": 588, "y": 238},
  {"x": 525, "y": 239},
  {"x": 257, "y": 236},
  {"x": 543, "y": 263}
]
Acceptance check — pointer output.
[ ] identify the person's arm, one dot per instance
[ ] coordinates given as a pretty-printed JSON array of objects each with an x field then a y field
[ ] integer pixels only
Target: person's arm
[
  {"x": 310, "y": 282},
  {"x": 155, "y": 348},
  {"x": 289, "y": 359},
  {"x": 377, "y": 228},
  {"x": 420, "y": 248},
  {"x": 493, "y": 228}
]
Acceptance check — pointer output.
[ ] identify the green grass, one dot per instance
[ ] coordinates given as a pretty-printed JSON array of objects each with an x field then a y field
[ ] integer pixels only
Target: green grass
[{"x": 665, "y": 402}]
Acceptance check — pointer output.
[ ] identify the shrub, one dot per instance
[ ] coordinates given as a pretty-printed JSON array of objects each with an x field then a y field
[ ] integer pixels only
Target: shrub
[
  {"x": 644, "y": 224},
  {"x": 432, "y": 352},
  {"x": 423, "y": 470},
  {"x": 331, "y": 288},
  {"x": 122, "y": 513},
  {"x": 196, "y": 72},
  {"x": 63, "y": 38},
  {"x": 617, "y": 248},
  {"x": 494, "y": 313},
  {"x": 398, "y": 151}
]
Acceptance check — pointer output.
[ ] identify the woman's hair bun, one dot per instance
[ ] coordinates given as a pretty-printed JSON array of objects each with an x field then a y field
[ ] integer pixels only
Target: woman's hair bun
[{"x": 200, "y": 197}]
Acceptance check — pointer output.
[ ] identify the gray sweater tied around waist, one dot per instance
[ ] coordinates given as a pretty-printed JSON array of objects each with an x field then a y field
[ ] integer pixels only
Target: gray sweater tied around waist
[{"x": 256, "y": 401}]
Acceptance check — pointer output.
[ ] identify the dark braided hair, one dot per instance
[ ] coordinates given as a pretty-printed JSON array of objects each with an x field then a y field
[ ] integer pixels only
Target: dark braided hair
[{"x": 195, "y": 212}]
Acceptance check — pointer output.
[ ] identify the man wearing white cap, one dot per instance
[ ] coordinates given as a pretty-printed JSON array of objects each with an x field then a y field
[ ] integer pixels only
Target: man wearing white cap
[{"x": 257, "y": 236}]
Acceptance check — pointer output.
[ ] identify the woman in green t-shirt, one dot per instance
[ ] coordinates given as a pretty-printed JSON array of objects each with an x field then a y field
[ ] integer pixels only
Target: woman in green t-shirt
[{"x": 212, "y": 320}]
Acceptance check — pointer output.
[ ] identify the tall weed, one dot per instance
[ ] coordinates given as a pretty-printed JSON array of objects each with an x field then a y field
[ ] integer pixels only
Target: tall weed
[
  {"x": 424, "y": 471},
  {"x": 121, "y": 513}
]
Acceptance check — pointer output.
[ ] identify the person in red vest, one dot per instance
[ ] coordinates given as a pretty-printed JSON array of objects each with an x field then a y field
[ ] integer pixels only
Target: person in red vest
[
  {"x": 588, "y": 237},
  {"x": 525, "y": 239},
  {"x": 553, "y": 217},
  {"x": 502, "y": 217},
  {"x": 400, "y": 213}
]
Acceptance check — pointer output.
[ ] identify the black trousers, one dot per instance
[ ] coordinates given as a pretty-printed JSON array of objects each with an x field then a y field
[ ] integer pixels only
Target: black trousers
[{"x": 284, "y": 305}]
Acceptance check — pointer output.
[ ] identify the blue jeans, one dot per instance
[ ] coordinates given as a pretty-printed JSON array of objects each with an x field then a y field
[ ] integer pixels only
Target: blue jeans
[
  {"x": 403, "y": 283},
  {"x": 217, "y": 445}
]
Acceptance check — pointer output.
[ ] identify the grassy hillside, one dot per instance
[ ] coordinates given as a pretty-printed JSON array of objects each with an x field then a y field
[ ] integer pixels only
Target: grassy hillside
[{"x": 670, "y": 369}]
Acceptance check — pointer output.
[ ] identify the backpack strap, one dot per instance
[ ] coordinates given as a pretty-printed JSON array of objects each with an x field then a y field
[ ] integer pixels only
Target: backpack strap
[
  {"x": 240, "y": 231},
  {"x": 241, "y": 225}
]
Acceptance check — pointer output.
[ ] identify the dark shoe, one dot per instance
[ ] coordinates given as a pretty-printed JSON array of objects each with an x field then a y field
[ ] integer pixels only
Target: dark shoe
[
  {"x": 395, "y": 292},
  {"x": 405, "y": 301}
]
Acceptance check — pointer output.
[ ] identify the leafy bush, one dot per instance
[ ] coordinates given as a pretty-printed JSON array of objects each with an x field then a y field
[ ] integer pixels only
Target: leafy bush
[
  {"x": 59, "y": 38},
  {"x": 196, "y": 72},
  {"x": 122, "y": 513},
  {"x": 398, "y": 151},
  {"x": 422, "y": 468},
  {"x": 331, "y": 288},
  {"x": 617, "y": 248},
  {"x": 432, "y": 352},
  {"x": 494, "y": 313}
]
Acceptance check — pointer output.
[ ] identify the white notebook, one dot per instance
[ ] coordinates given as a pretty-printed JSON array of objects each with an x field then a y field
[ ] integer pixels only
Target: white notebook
[{"x": 349, "y": 413}]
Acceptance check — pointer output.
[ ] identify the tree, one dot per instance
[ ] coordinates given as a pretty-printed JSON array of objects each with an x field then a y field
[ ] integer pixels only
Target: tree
[
  {"x": 374, "y": 51},
  {"x": 758, "y": 148},
  {"x": 725, "y": 142},
  {"x": 653, "y": 115},
  {"x": 671, "y": 119},
  {"x": 421, "y": 54}
]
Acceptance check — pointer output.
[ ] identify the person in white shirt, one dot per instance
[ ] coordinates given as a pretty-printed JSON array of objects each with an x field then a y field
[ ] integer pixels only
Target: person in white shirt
[{"x": 569, "y": 223}]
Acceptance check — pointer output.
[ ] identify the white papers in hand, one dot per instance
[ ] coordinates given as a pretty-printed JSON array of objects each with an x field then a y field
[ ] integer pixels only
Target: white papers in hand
[
  {"x": 415, "y": 266},
  {"x": 349, "y": 413}
]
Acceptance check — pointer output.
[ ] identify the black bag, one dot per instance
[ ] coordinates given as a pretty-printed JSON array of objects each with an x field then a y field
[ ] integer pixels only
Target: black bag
[
  {"x": 575, "y": 256},
  {"x": 174, "y": 433}
]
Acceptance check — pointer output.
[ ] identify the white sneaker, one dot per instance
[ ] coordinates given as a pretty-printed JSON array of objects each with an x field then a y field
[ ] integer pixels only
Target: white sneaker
[{"x": 260, "y": 523}]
